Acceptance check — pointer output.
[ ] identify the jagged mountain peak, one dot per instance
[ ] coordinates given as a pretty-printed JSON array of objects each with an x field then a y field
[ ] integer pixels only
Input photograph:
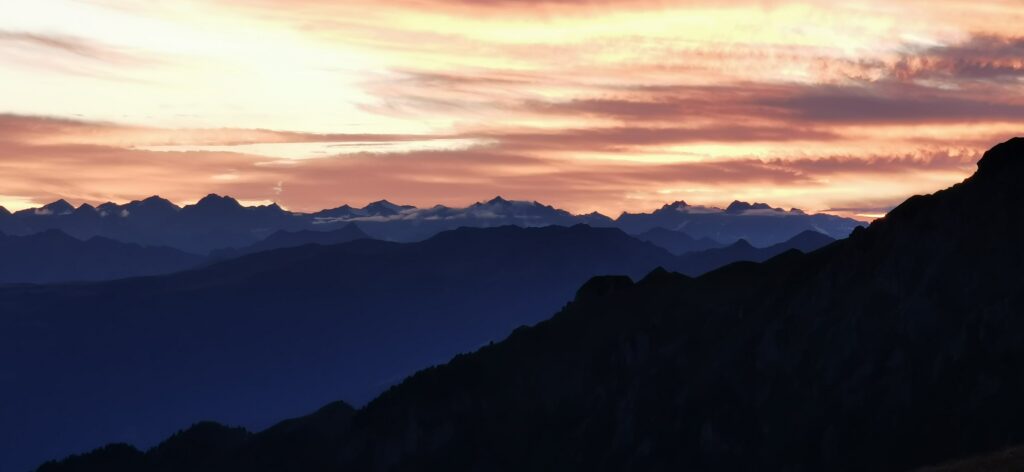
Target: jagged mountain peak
[
  {"x": 739, "y": 206},
  {"x": 385, "y": 208},
  {"x": 741, "y": 244},
  {"x": 214, "y": 200},
  {"x": 676, "y": 205},
  {"x": 59, "y": 207},
  {"x": 154, "y": 202}
]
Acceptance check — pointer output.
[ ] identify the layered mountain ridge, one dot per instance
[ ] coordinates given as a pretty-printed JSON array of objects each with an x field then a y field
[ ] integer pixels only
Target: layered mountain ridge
[
  {"x": 218, "y": 222},
  {"x": 898, "y": 347},
  {"x": 254, "y": 338},
  {"x": 52, "y": 256}
]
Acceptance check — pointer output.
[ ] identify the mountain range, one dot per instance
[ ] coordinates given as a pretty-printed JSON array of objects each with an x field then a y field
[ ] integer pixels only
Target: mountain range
[
  {"x": 898, "y": 347},
  {"x": 757, "y": 223},
  {"x": 213, "y": 222},
  {"x": 219, "y": 222}
]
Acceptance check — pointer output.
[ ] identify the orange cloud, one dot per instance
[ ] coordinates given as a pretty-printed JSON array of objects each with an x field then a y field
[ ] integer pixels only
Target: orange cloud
[{"x": 50, "y": 130}]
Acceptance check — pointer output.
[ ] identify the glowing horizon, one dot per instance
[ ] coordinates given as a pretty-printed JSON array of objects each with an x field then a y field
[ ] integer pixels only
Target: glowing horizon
[{"x": 592, "y": 105}]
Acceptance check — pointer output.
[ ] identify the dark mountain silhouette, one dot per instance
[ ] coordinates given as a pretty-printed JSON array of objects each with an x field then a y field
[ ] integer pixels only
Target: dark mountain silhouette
[
  {"x": 52, "y": 256},
  {"x": 386, "y": 208},
  {"x": 697, "y": 263},
  {"x": 898, "y": 347},
  {"x": 218, "y": 222},
  {"x": 222, "y": 221},
  {"x": 739, "y": 207},
  {"x": 380, "y": 208},
  {"x": 412, "y": 224},
  {"x": 1010, "y": 459},
  {"x": 284, "y": 239},
  {"x": 213, "y": 222},
  {"x": 757, "y": 223},
  {"x": 297, "y": 444},
  {"x": 677, "y": 242},
  {"x": 251, "y": 340}
]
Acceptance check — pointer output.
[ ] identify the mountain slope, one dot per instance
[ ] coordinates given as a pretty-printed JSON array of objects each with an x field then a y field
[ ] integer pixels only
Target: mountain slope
[
  {"x": 273, "y": 334},
  {"x": 1005, "y": 460},
  {"x": 898, "y": 347},
  {"x": 284, "y": 239},
  {"x": 52, "y": 256},
  {"x": 677, "y": 242},
  {"x": 700, "y": 262}
]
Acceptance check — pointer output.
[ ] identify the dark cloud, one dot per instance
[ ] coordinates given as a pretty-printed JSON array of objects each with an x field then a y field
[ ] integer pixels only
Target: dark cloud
[
  {"x": 924, "y": 161},
  {"x": 66, "y": 44},
  {"x": 891, "y": 103},
  {"x": 984, "y": 57},
  {"x": 798, "y": 105}
]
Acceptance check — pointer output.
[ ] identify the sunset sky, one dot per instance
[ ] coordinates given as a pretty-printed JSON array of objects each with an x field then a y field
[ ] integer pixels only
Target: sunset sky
[{"x": 613, "y": 105}]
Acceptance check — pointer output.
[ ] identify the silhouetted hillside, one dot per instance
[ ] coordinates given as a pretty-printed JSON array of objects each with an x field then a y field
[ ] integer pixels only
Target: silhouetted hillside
[
  {"x": 898, "y": 347},
  {"x": 284, "y": 239},
  {"x": 697, "y": 263},
  {"x": 305, "y": 443},
  {"x": 52, "y": 256},
  {"x": 677, "y": 242},
  {"x": 1005, "y": 460}
]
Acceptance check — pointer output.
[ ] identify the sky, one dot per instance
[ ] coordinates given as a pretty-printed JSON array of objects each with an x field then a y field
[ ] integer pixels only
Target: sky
[{"x": 589, "y": 105}]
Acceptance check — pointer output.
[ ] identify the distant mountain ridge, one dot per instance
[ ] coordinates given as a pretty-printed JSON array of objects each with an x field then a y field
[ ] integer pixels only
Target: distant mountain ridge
[
  {"x": 217, "y": 222},
  {"x": 757, "y": 223},
  {"x": 286, "y": 239},
  {"x": 699, "y": 262},
  {"x": 211, "y": 223},
  {"x": 677, "y": 242},
  {"x": 52, "y": 256}
]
